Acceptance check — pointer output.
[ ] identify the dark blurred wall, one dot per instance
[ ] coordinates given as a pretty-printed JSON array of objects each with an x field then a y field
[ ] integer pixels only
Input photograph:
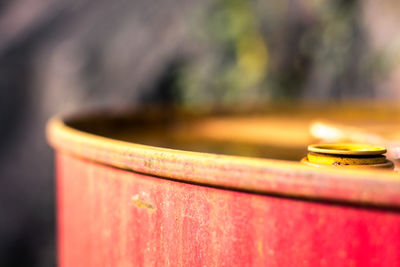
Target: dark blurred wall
[{"x": 60, "y": 56}]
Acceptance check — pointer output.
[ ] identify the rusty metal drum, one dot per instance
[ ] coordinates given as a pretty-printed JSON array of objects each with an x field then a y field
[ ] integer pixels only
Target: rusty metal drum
[{"x": 157, "y": 189}]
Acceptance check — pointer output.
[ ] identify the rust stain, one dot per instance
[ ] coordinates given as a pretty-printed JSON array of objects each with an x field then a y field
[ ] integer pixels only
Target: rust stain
[
  {"x": 140, "y": 203},
  {"x": 260, "y": 248}
]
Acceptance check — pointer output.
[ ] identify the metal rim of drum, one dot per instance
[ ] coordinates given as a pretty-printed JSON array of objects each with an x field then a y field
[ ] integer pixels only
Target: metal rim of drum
[{"x": 230, "y": 172}]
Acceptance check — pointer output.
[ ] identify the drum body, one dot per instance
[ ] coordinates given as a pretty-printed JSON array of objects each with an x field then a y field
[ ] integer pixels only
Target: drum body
[{"x": 126, "y": 204}]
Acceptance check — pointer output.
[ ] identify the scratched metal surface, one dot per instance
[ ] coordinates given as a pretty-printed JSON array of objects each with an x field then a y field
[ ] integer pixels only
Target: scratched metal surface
[
  {"x": 113, "y": 217},
  {"x": 118, "y": 143},
  {"x": 122, "y": 203}
]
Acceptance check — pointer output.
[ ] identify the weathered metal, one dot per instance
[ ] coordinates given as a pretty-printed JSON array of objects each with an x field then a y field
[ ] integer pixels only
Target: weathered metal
[
  {"x": 349, "y": 155},
  {"x": 125, "y": 204}
]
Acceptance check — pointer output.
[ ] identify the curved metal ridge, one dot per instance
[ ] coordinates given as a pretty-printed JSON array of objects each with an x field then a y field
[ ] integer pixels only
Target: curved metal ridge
[{"x": 265, "y": 176}]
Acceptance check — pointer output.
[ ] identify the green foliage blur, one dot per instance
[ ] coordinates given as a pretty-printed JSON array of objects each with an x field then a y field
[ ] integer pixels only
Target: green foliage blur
[{"x": 257, "y": 51}]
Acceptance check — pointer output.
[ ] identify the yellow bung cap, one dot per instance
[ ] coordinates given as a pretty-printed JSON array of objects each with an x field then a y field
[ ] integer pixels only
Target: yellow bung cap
[{"x": 349, "y": 149}]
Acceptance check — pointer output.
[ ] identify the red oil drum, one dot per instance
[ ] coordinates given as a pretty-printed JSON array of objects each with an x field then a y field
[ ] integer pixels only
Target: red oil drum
[{"x": 130, "y": 193}]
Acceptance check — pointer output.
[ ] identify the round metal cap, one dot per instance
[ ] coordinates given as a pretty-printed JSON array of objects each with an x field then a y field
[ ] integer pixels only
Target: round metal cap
[{"x": 347, "y": 149}]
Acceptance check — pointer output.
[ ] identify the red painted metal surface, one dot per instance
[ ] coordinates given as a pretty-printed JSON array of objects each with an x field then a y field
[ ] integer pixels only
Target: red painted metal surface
[
  {"x": 126, "y": 204},
  {"x": 113, "y": 217}
]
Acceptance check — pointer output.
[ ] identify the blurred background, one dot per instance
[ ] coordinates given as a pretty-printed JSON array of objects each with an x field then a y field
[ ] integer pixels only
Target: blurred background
[{"x": 59, "y": 56}]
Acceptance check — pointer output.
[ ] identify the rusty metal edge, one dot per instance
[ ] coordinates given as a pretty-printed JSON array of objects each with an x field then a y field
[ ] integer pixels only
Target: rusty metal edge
[{"x": 263, "y": 176}]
